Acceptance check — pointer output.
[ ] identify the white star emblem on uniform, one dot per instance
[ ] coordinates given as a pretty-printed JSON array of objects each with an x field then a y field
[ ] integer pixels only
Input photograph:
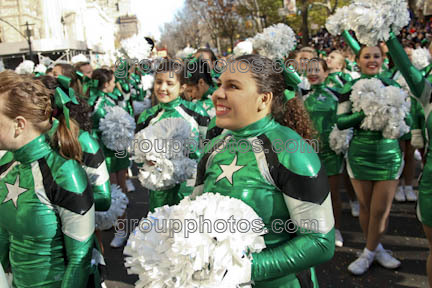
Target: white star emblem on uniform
[
  {"x": 14, "y": 191},
  {"x": 321, "y": 98},
  {"x": 229, "y": 170}
]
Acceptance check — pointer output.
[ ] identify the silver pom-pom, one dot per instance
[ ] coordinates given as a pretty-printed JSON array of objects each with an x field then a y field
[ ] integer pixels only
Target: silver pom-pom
[
  {"x": 136, "y": 47},
  {"x": 275, "y": 42},
  {"x": 147, "y": 82},
  {"x": 119, "y": 201},
  {"x": 25, "y": 67},
  {"x": 186, "y": 52},
  {"x": 117, "y": 129},
  {"x": 385, "y": 107},
  {"x": 372, "y": 20},
  {"x": 421, "y": 58},
  {"x": 40, "y": 68},
  {"x": 141, "y": 106},
  {"x": 339, "y": 140},
  {"x": 162, "y": 148},
  {"x": 243, "y": 48},
  {"x": 337, "y": 22},
  {"x": 163, "y": 256}
]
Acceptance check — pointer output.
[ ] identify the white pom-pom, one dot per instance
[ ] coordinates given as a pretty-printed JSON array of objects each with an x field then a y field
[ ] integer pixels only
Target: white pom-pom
[
  {"x": 162, "y": 149},
  {"x": 136, "y": 47},
  {"x": 165, "y": 256},
  {"x": 147, "y": 82},
  {"x": 339, "y": 140},
  {"x": 25, "y": 67},
  {"x": 45, "y": 61},
  {"x": 119, "y": 201},
  {"x": 79, "y": 58},
  {"x": 421, "y": 58},
  {"x": 275, "y": 42},
  {"x": 40, "y": 68},
  {"x": 385, "y": 107},
  {"x": 117, "y": 129},
  {"x": 337, "y": 22},
  {"x": 243, "y": 48},
  {"x": 186, "y": 52},
  {"x": 141, "y": 106}
]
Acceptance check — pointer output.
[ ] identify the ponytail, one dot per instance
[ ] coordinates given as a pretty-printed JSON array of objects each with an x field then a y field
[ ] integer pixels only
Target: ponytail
[{"x": 66, "y": 141}]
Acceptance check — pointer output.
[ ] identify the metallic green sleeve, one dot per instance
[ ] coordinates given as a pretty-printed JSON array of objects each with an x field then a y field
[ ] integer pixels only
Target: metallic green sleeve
[
  {"x": 345, "y": 121},
  {"x": 95, "y": 166},
  {"x": 352, "y": 43},
  {"x": 79, "y": 257},
  {"x": 4, "y": 248},
  {"x": 413, "y": 77},
  {"x": 77, "y": 223},
  {"x": 300, "y": 253}
]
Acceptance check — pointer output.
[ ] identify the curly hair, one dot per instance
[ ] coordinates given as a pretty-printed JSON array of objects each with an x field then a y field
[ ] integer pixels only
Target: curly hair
[{"x": 290, "y": 113}]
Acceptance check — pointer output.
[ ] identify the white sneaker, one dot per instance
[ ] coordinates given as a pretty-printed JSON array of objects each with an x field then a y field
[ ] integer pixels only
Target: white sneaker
[
  {"x": 119, "y": 240},
  {"x": 338, "y": 238},
  {"x": 130, "y": 186},
  {"x": 417, "y": 155},
  {"x": 385, "y": 259},
  {"x": 400, "y": 194},
  {"x": 355, "y": 208},
  {"x": 410, "y": 194},
  {"x": 362, "y": 264}
]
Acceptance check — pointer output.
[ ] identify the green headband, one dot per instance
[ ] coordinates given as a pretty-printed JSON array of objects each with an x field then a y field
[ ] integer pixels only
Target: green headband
[{"x": 292, "y": 79}]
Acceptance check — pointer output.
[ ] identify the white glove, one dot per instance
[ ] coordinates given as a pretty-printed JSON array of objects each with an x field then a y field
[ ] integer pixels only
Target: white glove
[{"x": 417, "y": 139}]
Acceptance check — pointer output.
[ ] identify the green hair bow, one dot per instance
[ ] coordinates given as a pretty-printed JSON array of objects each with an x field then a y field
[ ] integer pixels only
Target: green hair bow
[
  {"x": 292, "y": 79},
  {"x": 61, "y": 99},
  {"x": 65, "y": 84},
  {"x": 86, "y": 81}
]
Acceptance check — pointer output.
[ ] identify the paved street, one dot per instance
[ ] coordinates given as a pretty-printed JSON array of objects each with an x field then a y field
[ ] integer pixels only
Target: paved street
[{"x": 405, "y": 238}]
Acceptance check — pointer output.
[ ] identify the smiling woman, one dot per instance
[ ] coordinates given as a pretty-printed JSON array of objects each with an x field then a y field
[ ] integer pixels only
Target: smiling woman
[{"x": 254, "y": 106}]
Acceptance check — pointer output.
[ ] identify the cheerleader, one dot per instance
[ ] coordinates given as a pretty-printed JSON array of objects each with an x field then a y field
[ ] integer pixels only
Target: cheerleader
[
  {"x": 117, "y": 161},
  {"x": 281, "y": 186},
  {"x": 167, "y": 88},
  {"x": 321, "y": 104},
  {"x": 421, "y": 89},
  {"x": 93, "y": 161},
  {"x": 199, "y": 85},
  {"x": 53, "y": 249},
  {"x": 336, "y": 64},
  {"x": 374, "y": 165}
]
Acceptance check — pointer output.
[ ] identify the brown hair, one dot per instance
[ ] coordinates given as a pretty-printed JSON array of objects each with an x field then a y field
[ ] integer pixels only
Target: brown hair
[
  {"x": 364, "y": 46},
  {"x": 30, "y": 99},
  {"x": 322, "y": 62},
  {"x": 103, "y": 76},
  {"x": 80, "y": 113},
  {"x": 287, "y": 113},
  {"x": 309, "y": 49},
  {"x": 176, "y": 67},
  {"x": 69, "y": 71}
]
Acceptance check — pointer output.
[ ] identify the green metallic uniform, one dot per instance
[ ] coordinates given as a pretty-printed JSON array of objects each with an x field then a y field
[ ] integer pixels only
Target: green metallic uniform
[
  {"x": 337, "y": 79},
  {"x": 281, "y": 187},
  {"x": 370, "y": 155},
  {"x": 46, "y": 218},
  {"x": 115, "y": 160},
  {"x": 197, "y": 117},
  {"x": 207, "y": 103},
  {"x": 321, "y": 105},
  {"x": 137, "y": 92},
  {"x": 422, "y": 90}
]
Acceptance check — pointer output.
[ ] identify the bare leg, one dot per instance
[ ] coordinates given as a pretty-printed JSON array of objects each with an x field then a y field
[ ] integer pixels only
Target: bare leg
[
  {"x": 408, "y": 170},
  {"x": 381, "y": 202},
  {"x": 348, "y": 186},
  {"x": 363, "y": 189},
  {"x": 428, "y": 232},
  {"x": 336, "y": 201}
]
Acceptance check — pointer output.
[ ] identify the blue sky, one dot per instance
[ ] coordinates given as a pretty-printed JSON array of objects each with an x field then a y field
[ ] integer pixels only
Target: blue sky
[{"x": 152, "y": 14}]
